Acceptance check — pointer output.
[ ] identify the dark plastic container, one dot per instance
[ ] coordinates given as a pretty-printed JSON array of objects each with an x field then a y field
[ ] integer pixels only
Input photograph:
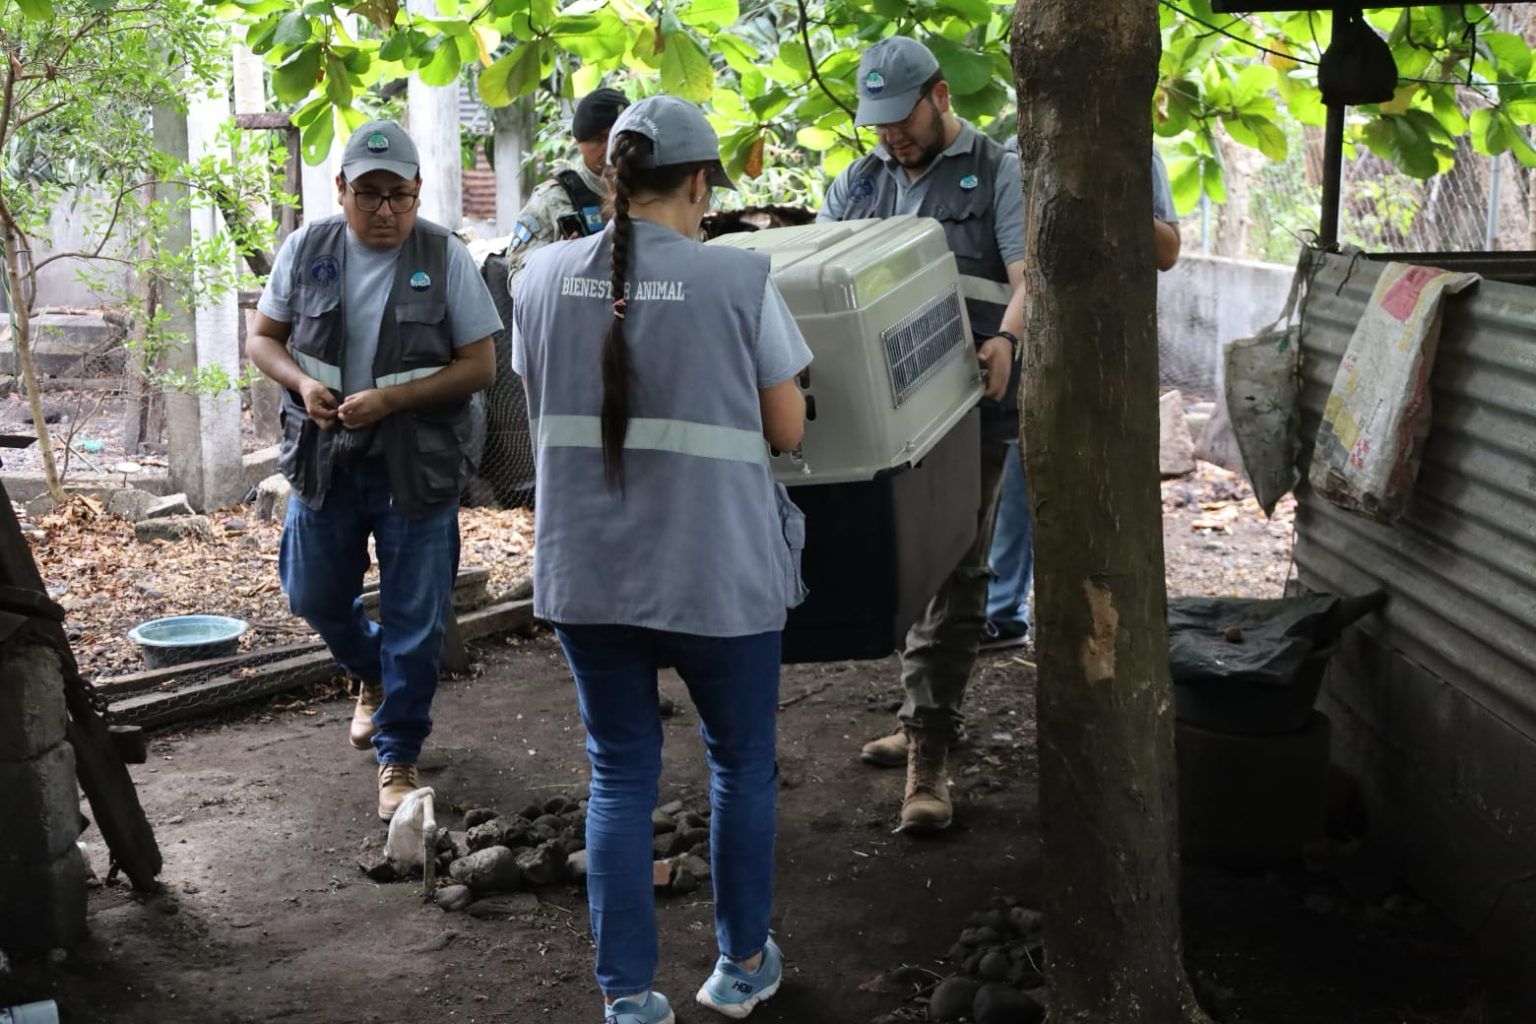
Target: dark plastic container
[{"x": 876, "y": 551}]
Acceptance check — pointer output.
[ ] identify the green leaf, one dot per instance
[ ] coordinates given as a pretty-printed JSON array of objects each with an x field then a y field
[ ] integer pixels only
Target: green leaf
[
  {"x": 586, "y": 78},
  {"x": 293, "y": 30},
  {"x": 964, "y": 69},
  {"x": 294, "y": 78},
  {"x": 39, "y": 10},
  {"x": 983, "y": 104},
  {"x": 1509, "y": 51},
  {"x": 443, "y": 68},
  {"x": 685, "y": 68},
  {"x": 514, "y": 74},
  {"x": 315, "y": 140},
  {"x": 261, "y": 37},
  {"x": 338, "y": 87},
  {"x": 738, "y": 53},
  {"x": 794, "y": 56},
  {"x": 592, "y": 37},
  {"x": 1184, "y": 180},
  {"x": 1251, "y": 83},
  {"x": 710, "y": 13},
  {"x": 399, "y": 46},
  {"x": 311, "y": 110},
  {"x": 977, "y": 12},
  {"x": 816, "y": 139}
]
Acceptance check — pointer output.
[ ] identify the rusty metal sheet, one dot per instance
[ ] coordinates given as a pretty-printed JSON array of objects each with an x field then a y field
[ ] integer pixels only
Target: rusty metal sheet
[{"x": 1460, "y": 565}]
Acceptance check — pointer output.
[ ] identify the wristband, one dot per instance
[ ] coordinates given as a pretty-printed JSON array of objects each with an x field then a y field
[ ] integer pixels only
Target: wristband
[{"x": 1013, "y": 339}]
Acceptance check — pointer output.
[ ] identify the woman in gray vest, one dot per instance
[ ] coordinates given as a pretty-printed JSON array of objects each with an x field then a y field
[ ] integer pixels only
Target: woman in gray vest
[{"x": 658, "y": 373}]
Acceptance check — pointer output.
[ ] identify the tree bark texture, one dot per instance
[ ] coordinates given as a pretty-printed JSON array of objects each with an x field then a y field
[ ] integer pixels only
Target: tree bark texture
[
  {"x": 26, "y": 367},
  {"x": 1085, "y": 74}
]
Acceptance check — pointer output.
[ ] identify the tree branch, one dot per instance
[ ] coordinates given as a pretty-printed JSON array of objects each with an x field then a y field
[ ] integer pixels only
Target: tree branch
[{"x": 810, "y": 56}]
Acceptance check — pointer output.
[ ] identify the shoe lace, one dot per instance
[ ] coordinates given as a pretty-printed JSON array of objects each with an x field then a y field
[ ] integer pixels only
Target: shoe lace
[{"x": 405, "y": 773}]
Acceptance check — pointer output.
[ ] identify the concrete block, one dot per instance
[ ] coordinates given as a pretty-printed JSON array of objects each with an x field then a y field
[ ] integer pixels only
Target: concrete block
[
  {"x": 129, "y": 503},
  {"x": 272, "y": 496},
  {"x": 32, "y": 713},
  {"x": 44, "y": 903},
  {"x": 259, "y": 465},
  {"x": 69, "y": 345},
  {"x": 40, "y": 805},
  {"x": 24, "y": 486},
  {"x": 170, "y": 505},
  {"x": 147, "y": 531},
  {"x": 1176, "y": 449}
]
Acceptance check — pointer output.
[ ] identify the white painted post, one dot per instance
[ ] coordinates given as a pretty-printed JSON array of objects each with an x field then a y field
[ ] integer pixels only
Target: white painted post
[
  {"x": 203, "y": 429},
  {"x": 432, "y": 118},
  {"x": 513, "y": 138}
]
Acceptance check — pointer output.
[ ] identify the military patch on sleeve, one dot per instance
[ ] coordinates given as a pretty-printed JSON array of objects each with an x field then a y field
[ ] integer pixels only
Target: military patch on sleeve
[{"x": 524, "y": 230}]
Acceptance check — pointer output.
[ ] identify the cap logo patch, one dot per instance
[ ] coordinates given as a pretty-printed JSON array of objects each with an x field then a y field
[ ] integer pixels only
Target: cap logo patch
[
  {"x": 325, "y": 270},
  {"x": 420, "y": 281},
  {"x": 378, "y": 142},
  {"x": 874, "y": 83},
  {"x": 969, "y": 182}
]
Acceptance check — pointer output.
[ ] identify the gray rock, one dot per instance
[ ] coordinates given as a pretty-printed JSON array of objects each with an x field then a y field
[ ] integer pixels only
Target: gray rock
[
  {"x": 486, "y": 835},
  {"x": 688, "y": 819},
  {"x": 1175, "y": 446},
  {"x": 147, "y": 531},
  {"x": 664, "y": 846},
  {"x": 234, "y": 524},
  {"x": 169, "y": 506},
  {"x": 672, "y": 807},
  {"x": 458, "y": 844},
  {"x": 272, "y": 498},
  {"x": 542, "y": 864},
  {"x": 994, "y": 966},
  {"x": 496, "y": 907},
  {"x": 683, "y": 880},
  {"x": 687, "y": 839},
  {"x": 1025, "y": 922},
  {"x": 662, "y": 822},
  {"x": 952, "y": 1000},
  {"x": 999, "y": 1004},
  {"x": 40, "y": 506},
  {"x": 454, "y": 897},
  {"x": 553, "y": 822},
  {"x": 698, "y": 865},
  {"x": 558, "y": 805},
  {"x": 490, "y": 870},
  {"x": 532, "y": 812},
  {"x": 576, "y": 866},
  {"x": 987, "y": 936},
  {"x": 375, "y": 865},
  {"x": 478, "y": 816}
]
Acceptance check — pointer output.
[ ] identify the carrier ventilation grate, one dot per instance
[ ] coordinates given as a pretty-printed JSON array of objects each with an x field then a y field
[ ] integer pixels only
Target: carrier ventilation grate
[{"x": 918, "y": 344}]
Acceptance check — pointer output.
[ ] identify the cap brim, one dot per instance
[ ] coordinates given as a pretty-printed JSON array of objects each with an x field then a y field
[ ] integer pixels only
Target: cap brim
[
  {"x": 357, "y": 168},
  {"x": 719, "y": 179},
  {"x": 886, "y": 109}
]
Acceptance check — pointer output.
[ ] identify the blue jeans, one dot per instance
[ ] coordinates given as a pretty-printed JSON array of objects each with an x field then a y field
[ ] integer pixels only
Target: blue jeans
[
  {"x": 734, "y": 683},
  {"x": 1013, "y": 552},
  {"x": 324, "y": 556}
]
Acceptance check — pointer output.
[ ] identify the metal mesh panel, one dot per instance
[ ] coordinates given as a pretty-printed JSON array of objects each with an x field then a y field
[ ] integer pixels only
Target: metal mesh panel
[{"x": 920, "y": 343}]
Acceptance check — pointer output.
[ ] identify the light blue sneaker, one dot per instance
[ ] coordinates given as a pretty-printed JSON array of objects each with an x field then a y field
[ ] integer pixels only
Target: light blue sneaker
[
  {"x": 654, "y": 1010},
  {"x": 735, "y": 992}
]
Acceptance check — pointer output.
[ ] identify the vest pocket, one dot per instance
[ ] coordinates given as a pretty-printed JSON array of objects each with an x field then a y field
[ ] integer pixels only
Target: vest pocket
[
  {"x": 792, "y": 525},
  {"x": 423, "y": 335},
  {"x": 440, "y": 457}
]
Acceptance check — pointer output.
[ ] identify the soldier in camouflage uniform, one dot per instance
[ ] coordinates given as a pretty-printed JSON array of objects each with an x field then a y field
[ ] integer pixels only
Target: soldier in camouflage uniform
[{"x": 569, "y": 204}]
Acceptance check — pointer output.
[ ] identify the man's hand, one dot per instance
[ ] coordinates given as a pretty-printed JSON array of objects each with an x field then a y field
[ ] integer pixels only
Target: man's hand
[
  {"x": 366, "y": 408},
  {"x": 996, "y": 354},
  {"x": 319, "y": 402}
]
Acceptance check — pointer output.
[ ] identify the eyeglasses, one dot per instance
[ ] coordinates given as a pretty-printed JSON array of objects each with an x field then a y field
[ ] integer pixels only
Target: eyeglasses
[{"x": 399, "y": 202}]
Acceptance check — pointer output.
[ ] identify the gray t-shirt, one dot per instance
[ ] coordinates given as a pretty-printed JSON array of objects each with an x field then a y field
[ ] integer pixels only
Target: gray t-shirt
[
  {"x": 368, "y": 274},
  {"x": 1007, "y": 197},
  {"x": 1162, "y": 192}
]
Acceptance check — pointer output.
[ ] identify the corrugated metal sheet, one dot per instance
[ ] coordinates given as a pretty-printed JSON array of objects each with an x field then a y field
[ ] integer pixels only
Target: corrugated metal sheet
[{"x": 1461, "y": 564}]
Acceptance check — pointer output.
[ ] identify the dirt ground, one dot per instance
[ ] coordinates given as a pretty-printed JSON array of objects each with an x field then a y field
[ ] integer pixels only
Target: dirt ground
[{"x": 266, "y": 916}]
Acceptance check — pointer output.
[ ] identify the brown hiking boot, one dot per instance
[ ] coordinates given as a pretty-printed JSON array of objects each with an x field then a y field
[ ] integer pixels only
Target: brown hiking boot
[
  {"x": 369, "y": 697},
  {"x": 395, "y": 781},
  {"x": 887, "y": 751},
  {"x": 926, "y": 806}
]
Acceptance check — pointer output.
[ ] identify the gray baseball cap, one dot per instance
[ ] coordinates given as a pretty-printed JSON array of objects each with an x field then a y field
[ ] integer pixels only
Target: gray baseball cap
[
  {"x": 891, "y": 77},
  {"x": 380, "y": 146},
  {"x": 678, "y": 130}
]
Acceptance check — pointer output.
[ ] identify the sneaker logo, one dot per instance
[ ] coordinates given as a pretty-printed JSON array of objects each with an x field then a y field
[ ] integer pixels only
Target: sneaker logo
[{"x": 743, "y": 987}]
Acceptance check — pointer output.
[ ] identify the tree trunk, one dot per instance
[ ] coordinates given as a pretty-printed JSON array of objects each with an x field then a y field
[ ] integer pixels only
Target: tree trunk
[
  {"x": 1085, "y": 74},
  {"x": 21, "y": 341}
]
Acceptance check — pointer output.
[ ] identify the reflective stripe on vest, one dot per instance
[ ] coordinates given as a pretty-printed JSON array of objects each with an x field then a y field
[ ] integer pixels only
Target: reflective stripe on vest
[
  {"x": 981, "y": 289},
  {"x": 682, "y": 437},
  {"x": 389, "y": 380},
  {"x": 328, "y": 374}
]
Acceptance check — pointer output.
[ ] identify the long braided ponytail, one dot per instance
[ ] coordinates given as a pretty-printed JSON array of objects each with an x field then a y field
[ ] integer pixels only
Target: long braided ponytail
[{"x": 618, "y": 374}]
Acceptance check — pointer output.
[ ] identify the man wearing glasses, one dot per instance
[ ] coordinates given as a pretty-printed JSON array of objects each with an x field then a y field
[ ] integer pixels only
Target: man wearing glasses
[
  {"x": 379, "y": 328},
  {"x": 933, "y": 164}
]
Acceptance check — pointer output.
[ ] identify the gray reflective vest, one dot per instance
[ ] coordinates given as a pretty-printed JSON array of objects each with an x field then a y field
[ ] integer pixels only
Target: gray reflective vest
[
  {"x": 425, "y": 449},
  {"x": 701, "y": 540},
  {"x": 959, "y": 196}
]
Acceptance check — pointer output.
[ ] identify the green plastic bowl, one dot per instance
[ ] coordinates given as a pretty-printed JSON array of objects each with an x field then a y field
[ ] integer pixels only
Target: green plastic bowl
[{"x": 183, "y": 638}]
